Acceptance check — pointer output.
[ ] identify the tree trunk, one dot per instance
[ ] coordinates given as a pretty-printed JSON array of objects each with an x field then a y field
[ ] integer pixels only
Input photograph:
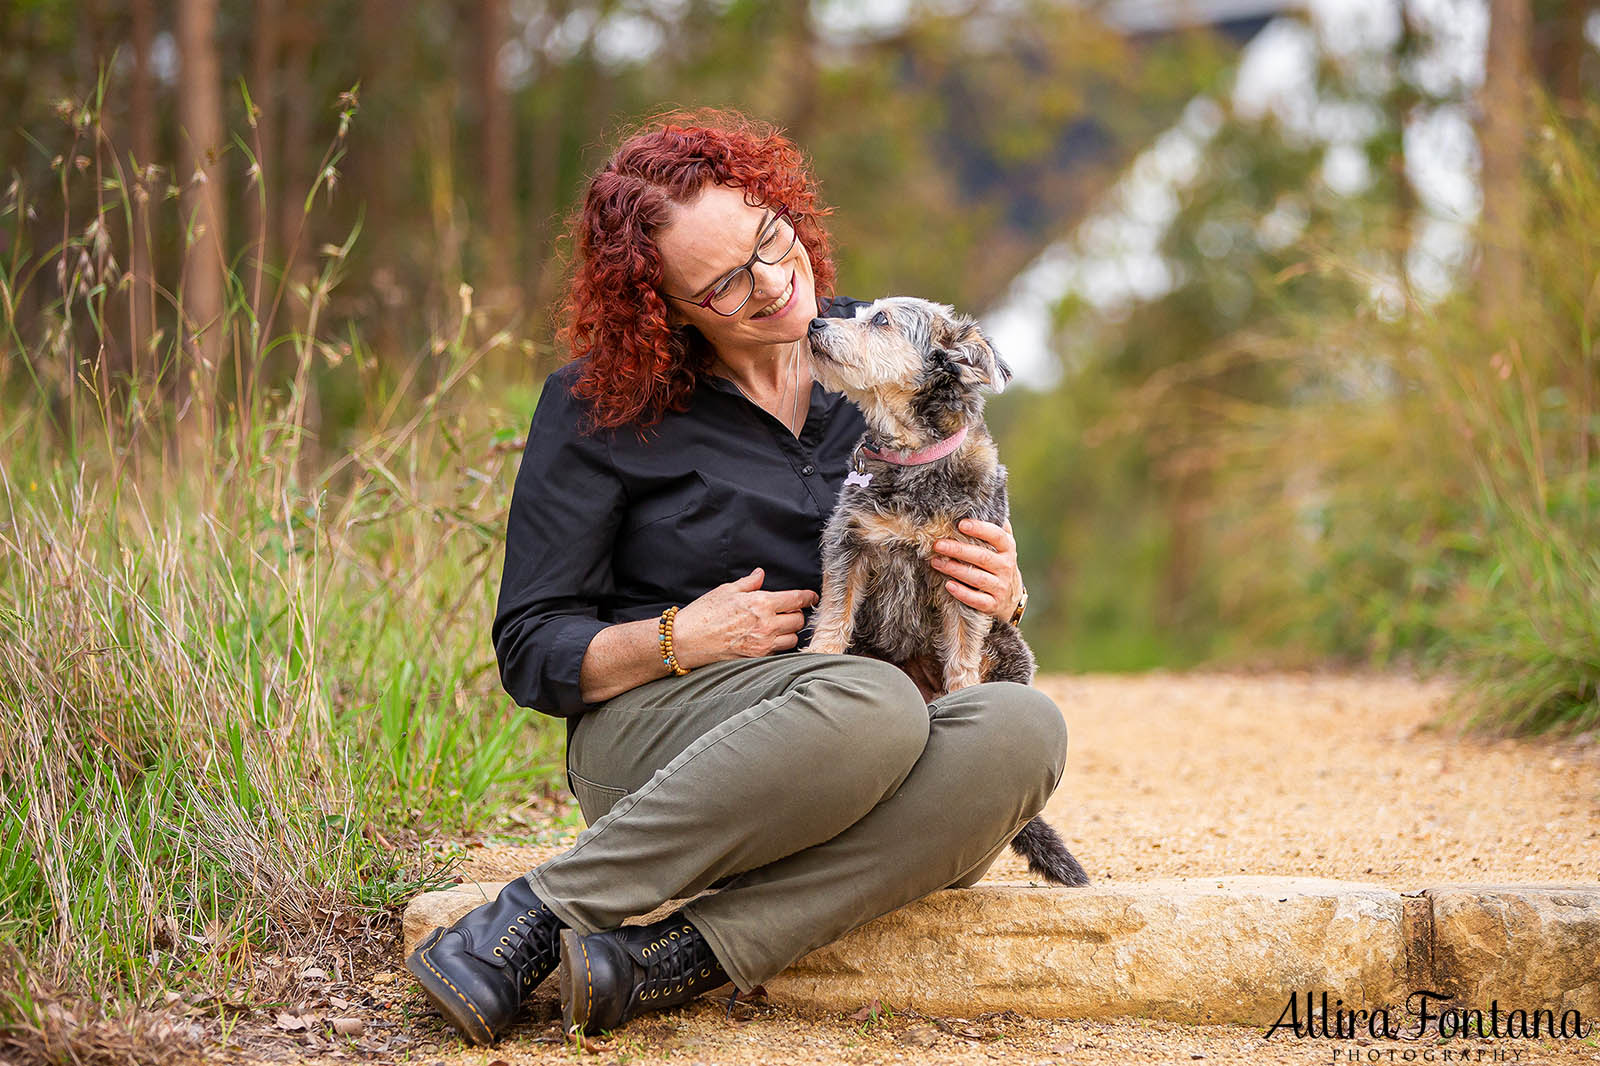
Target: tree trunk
[
  {"x": 203, "y": 177},
  {"x": 264, "y": 91},
  {"x": 541, "y": 282},
  {"x": 1402, "y": 100},
  {"x": 496, "y": 138},
  {"x": 295, "y": 176},
  {"x": 1559, "y": 46},
  {"x": 801, "y": 75},
  {"x": 1502, "y": 139},
  {"x": 142, "y": 128}
]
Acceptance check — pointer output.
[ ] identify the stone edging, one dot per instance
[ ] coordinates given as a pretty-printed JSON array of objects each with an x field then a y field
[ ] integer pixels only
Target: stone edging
[{"x": 1228, "y": 949}]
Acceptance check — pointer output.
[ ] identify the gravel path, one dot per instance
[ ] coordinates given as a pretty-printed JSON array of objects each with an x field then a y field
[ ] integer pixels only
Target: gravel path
[
  {"x": 1198, "y": 775},
  {"x": 1181, "y": 775}
]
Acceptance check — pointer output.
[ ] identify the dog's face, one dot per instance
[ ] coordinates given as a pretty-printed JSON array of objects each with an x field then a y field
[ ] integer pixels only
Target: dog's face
[{"x": 907, "y": 363}]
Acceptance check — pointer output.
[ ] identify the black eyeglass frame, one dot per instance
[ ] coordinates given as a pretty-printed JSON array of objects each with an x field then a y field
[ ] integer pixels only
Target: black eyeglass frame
[{"x": 794, "y": 238}]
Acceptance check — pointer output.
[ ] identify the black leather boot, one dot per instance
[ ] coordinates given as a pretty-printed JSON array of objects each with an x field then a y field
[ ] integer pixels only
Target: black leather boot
[
  {"x": 479, "y": 971},
  {"x": 612, "y": 977}
]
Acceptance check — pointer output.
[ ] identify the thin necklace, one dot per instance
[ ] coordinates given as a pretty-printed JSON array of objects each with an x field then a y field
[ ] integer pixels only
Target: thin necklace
[{"x": 794, "y": 405}]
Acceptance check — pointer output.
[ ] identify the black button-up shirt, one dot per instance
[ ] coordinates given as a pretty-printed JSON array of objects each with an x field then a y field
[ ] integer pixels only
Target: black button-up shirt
[{"x": 605, "y": 528}]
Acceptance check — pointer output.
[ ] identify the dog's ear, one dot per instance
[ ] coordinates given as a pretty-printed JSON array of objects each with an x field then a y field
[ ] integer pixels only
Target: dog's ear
[{"x": 975, "y": 358}]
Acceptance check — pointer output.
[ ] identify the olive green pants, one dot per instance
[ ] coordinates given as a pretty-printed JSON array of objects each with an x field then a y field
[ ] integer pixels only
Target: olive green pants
[{"x": 814, "y": 792}]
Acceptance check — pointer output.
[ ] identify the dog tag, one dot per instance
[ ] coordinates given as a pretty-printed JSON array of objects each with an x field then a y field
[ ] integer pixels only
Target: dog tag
[{"x": 855, "y": 477}]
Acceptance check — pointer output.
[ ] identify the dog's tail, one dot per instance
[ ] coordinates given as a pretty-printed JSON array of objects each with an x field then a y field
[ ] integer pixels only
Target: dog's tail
[{"x": 1047, "y": 854}]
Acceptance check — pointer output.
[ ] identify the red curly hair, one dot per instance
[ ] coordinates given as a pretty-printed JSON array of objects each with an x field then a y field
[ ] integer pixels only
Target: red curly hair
[{"x": 637, "y": 367}]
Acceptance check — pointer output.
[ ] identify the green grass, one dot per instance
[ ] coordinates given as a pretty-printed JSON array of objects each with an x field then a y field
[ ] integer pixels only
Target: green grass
[
  {"x": 245, "y": 675},
  {"x": 1421, "y": 488}
]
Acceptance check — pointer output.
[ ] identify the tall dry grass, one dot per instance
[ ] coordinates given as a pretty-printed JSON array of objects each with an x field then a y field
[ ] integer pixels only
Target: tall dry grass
[
  {"x": 244, "y": 670},
  {"x": 1421, "y": 484}
]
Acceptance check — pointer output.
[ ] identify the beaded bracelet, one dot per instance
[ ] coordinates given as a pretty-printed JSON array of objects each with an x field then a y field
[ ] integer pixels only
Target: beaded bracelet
[{"x": 664, "y": 636}]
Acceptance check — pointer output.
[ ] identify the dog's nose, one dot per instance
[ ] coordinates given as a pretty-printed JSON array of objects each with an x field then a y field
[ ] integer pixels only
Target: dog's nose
[{"x": 817, "y": 325}]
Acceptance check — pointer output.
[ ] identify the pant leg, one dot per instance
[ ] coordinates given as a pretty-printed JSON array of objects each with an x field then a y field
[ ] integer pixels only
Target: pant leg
[
  {"x": 728, "y": 768},
  {"x": 994, "y": 756}
]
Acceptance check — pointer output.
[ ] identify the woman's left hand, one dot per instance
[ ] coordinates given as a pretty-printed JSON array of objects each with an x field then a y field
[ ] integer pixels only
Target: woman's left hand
[{"x": 984, "y": 576}]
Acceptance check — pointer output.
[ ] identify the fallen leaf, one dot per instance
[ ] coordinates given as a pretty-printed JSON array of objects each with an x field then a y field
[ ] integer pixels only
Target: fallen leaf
[
  {"x": 312, "y": 973},
  {"x": 865, "y": 1012},
  {"x": 383, "y": 978},
  {"x": 348, "y": 1026},
  {"x": 920, "y": 1036},
  {"x": 290, "y": 1022},
  {"x": 964, "y": 1031}
]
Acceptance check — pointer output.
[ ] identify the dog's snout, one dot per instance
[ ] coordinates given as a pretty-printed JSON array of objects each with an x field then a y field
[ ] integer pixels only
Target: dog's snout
[{"x": 817, "y": 325}]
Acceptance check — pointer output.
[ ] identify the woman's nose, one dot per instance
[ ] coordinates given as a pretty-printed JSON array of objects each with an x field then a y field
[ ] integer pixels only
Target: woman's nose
[{"x": 772, "y": 278}]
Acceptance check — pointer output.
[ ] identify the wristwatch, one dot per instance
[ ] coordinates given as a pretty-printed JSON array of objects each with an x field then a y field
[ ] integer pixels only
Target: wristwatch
[{"x": 1022, "y": 605}]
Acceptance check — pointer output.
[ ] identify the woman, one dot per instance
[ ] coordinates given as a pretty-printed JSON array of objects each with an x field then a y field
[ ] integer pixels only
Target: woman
[{"x": 662, "y": 549}]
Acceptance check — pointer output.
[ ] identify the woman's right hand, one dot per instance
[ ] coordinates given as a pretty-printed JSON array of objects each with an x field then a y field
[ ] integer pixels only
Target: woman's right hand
[{"x": 739, "y": 620}]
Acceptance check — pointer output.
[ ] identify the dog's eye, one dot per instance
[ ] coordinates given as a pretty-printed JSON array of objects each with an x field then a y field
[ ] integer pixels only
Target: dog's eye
[{"x": 881, "y": 320}]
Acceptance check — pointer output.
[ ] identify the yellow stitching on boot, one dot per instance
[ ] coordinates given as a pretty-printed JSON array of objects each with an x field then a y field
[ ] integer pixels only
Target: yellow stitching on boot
[
  {"x": 588, "y": 980},
  {"x": 429, "y": 964}
]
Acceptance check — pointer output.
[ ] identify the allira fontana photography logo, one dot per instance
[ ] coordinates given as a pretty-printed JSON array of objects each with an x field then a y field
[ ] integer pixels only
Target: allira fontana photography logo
[{"x": 1313, "y": 1015}]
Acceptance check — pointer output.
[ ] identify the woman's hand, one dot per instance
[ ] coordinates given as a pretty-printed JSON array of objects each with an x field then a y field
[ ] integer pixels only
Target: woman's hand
[
  {"x": 984, "y": 576},
  {"x": 739, "y": 620}
]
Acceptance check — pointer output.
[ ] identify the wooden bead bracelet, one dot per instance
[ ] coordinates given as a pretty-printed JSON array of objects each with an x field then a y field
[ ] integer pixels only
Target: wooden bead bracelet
[{"x": 664, "y": 635}]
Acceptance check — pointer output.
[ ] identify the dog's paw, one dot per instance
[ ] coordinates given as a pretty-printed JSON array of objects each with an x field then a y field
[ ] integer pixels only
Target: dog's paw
[
  {"x": 960, "y": 679},
  {"x": 824, "y": 647}
]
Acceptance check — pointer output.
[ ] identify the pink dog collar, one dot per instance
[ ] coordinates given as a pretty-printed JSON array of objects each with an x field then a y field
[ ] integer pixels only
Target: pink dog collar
[{"x": 922, "y": 455}]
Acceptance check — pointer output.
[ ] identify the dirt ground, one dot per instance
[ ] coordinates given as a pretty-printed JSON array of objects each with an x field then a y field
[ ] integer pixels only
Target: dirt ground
[{"x": 1191, "y": 775}]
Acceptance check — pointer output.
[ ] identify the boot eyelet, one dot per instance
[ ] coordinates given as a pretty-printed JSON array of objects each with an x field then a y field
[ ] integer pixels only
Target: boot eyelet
[
  {"x": 497, "y": 953},
  {"x": 705, "y": 973},
  {"x": 674, "y": 934},
  {"x": 506, "y": 941}
]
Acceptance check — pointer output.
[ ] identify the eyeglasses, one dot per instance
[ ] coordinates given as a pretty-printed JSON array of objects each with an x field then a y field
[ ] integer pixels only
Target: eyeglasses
[{"x": 728, "y": 296}]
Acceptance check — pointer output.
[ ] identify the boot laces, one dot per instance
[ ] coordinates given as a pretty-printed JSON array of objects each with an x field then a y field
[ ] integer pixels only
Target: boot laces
[
  {"x": 680, "y": 960},
  {"x": 530, "y": 948}
]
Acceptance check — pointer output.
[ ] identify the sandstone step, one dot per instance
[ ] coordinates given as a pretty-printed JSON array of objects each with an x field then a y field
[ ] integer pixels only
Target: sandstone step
[{"x": 1227, "y": 949}]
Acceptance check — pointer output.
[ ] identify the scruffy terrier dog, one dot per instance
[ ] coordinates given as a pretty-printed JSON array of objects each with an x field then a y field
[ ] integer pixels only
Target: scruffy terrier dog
[{"x": 914, "y": 369}]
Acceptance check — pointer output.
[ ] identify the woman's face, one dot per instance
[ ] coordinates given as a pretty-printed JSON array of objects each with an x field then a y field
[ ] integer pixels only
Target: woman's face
[{"x": 714, "y": 235}]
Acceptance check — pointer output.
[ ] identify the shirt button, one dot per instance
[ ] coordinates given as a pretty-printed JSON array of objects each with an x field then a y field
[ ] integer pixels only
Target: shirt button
[{"x": 808, "y": 470}]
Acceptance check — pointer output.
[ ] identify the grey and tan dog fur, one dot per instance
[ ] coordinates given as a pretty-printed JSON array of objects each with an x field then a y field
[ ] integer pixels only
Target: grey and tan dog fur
[{"x": 915, "y": 369}]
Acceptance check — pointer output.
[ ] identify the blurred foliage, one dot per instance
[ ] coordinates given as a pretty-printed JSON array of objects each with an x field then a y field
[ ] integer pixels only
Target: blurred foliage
[
  {"x": 1299, "y": 454},
  {"x": 947, "y": 170},
  {"x": 1157, "y": 524}
]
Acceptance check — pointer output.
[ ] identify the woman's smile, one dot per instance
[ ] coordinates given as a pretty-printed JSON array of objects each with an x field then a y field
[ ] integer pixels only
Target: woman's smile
[{"x": 787, "y": 300}]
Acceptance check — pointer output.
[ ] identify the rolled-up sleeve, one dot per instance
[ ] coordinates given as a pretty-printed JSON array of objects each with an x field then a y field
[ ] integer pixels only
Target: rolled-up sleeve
[{"x": 566, "y": 505}]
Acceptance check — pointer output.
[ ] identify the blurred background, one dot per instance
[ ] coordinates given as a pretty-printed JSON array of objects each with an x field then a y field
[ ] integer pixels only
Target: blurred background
[{"x": 1302, "y": 299}]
